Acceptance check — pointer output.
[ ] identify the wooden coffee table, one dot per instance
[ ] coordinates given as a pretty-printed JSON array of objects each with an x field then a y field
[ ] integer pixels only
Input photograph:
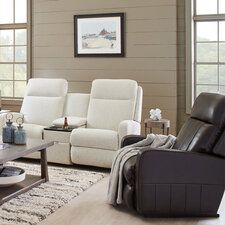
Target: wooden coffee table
[{"x": 17, "y": 151}]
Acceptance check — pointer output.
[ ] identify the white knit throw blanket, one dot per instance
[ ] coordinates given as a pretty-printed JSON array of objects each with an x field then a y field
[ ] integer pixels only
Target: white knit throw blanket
[{"x": 115, "y": 188}]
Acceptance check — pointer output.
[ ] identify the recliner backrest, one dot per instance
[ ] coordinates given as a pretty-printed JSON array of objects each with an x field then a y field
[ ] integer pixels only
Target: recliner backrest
[
  {"x": 44, "y": 100},
  {"x": 112, "y": 101},
  {"x": 205, "y": 125}
]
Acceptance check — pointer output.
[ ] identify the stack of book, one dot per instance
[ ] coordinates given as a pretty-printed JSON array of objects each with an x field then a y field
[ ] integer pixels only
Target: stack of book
[{"x": 9, "y": 171}]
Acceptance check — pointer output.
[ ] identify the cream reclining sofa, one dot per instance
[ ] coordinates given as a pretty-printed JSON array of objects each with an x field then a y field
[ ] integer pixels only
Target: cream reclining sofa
[
  {"x": 100, "y": 119},
  {"x": 114, "y": 111}
]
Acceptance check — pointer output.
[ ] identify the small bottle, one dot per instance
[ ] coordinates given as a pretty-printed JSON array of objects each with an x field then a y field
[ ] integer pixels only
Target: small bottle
[
  {"x": 20, "y": 137},
  {"x": 65, "y": 125},
  {"x": 8, "y": 130}
]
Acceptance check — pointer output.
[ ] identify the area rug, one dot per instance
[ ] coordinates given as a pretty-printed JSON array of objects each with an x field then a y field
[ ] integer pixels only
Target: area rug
[{"x": 35, "y": 205}]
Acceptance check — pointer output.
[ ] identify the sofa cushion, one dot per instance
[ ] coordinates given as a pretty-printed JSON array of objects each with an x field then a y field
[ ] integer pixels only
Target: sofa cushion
[
  {"x": 33, "y": 130},
  {"x": 95, "y": 138},
  {"x": 73, "y": 121},
  {"x": 42, "y": 110},
  {"x": 44, "y": 100},
  {"x": 111, "y": 102},
  {"x": 209, "y": 108},
  {"x": 76, "y": 104}
]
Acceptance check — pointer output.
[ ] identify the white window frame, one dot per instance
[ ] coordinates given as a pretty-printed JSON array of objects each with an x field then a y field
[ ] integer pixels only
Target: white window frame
[
  {"x": 26, "y": 26},
  {"x": 190, "y": 18}
]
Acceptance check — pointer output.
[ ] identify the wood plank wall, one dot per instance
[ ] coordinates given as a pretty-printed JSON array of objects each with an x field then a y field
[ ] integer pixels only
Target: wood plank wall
[{"x": 151, "y": 48}]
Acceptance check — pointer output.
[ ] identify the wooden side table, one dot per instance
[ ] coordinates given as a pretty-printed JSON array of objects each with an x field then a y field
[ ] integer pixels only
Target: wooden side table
[{"x": 163, "y": 124}]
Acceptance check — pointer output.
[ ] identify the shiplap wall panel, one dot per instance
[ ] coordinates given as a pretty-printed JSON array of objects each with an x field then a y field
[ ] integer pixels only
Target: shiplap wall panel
[
  {"x": 151, "y": 48},
  {"x": 145, "y": 76}
]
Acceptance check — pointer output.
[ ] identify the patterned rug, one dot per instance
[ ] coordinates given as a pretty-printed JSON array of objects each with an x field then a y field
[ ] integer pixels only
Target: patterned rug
[{"x": 35, "y": 205}]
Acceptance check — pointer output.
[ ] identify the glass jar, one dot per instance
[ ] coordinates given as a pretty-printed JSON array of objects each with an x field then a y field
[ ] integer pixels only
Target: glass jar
[
  {"x": 8, "y": 132},
  {"x": 20, "y": 137}
]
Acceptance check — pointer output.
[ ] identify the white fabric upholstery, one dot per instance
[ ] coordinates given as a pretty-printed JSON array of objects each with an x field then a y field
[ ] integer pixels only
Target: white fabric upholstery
[
  {"x": 44, "y": 100},
  {"x": 95, "y": 138},
  {"x": 76, "y": 104},
  {"x": 58, "y": 153},
  {"x": 111, "y": 102},
  {"x": 33, "y": 130},
  {"x": 138, "y": 107},
  {"x": 42, "y": 110},
  {"x": 46, "y": 87},
  {"x": 73, "y": 121},
  {"x": 92, "y": 156},
  {"x": 128, "y": 127}
]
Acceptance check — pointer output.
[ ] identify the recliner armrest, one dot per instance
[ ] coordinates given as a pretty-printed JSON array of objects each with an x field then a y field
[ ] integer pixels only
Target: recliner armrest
[
  {"x": 180, "y": 167},
  {"x": 127, "y": 127},
  {"x": 172, "y": 182},
  {"x": 131, "y": 139}
]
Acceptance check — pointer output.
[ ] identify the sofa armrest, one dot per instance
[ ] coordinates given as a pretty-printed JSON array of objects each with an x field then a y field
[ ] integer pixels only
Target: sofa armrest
[
  {"x": 180, "y": 167},
  {"x": 131, "y": 139},
  {"x": 127, "y": 127},
  {"x": 170, "y": 182}
]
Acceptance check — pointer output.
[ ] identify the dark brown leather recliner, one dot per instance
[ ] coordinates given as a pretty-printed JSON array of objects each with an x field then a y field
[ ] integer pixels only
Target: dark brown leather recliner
[{"x": 187, "y": 180}]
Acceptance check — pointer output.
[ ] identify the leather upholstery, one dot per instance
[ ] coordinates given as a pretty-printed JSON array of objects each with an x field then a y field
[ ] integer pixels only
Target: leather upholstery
[
  {"x": 181, "y": 181},
  {"x": 202, "y": 130},
  {"x": 219, "y": 148},
  {"x": 209, "y": 108}
]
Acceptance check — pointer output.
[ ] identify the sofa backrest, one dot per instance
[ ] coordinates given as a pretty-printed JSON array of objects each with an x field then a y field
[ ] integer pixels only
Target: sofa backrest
[
  {"x": 44, "y": 100},
  {"x": 138, "y": 107},
  {"x": 76, "y": 104},
  {"x": 203, "y": 129},
  {"x": 112, "y": 101}
]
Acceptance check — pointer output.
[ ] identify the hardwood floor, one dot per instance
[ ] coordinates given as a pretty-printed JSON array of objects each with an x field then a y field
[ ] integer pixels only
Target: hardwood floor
[{"x": 90, "y": 208}]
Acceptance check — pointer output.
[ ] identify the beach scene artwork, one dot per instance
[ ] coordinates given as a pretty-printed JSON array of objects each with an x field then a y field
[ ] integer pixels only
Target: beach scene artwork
[{"x": 99, "y": 35}]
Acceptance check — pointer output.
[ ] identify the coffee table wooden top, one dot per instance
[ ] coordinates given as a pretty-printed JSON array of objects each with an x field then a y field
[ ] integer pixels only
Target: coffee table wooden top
[{"x": 17, "y": 151}]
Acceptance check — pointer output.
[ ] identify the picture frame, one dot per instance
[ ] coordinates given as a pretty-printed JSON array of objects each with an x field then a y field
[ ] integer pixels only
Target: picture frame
[{"x": 99, "y": 35}]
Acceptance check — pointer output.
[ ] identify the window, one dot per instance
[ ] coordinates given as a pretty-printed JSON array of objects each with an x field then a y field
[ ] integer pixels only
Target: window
[
  {"x": 205, "y": 55},
  {"x": 14, "y": 47}
]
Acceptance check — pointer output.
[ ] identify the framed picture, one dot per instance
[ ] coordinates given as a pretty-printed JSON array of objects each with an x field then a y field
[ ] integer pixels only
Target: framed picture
[{"x": 99, "y": 35}]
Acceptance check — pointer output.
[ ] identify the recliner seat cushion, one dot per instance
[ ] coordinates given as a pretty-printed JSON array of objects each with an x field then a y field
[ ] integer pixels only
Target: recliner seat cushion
[{"x": 95, "y": 138}]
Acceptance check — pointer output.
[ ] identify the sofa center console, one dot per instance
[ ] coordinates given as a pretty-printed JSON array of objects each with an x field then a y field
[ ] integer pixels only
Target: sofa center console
[{"x": 60, "y": 152}]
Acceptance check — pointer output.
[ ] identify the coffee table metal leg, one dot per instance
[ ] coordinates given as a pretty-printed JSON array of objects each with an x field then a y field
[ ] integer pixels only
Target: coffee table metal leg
[{"x": 44, "y": 165}]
